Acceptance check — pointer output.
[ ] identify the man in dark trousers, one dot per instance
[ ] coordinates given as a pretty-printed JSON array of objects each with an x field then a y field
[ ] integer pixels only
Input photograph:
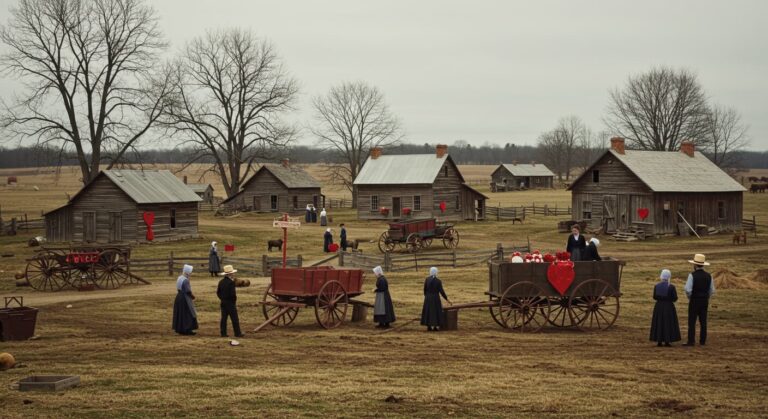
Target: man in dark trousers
[
  {"x": 228, "y": 296},
  {"x": 343, "y": 237},
  {"x": 699, "y": 287}
]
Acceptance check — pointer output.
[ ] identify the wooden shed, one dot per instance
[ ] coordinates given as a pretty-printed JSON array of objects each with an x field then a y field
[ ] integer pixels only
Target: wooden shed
[
  {"x": 428, "y": 185},
  {"x": 661, "y": 190},
  {"x": 278, "y": 188},
  {"x": 111, "y": 208},
  {"x": 514, "y": 176},
  {"x": 203, "y": 190}
]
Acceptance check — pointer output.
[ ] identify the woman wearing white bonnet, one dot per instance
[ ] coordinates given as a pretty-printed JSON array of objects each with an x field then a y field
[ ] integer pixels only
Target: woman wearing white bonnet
[
  {"x": 590, "y": 252},
  {"x": 184, "y": 313},
  {"x": 214, "y": 263},
  {"x": 383, "y": 310},
  {"x": 665, "y": 327},
  {"x": 432, "y": 310}
]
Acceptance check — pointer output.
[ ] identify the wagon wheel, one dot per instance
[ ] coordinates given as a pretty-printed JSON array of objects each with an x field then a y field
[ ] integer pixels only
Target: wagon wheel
[
  {"x": 42, "y": 273},
  {"x": 451, "y": 238},
  {"x": 413, "y": 243},
  {"x": 331, "y": 305},
  {"x": 593, "y": 305},
  {"x": 496, "y": 313},
  {"x": 270, "y": 310},
  {"x": 108, "y": 270},
  {"x": 524, "y": 307},
  {"x": 426, "y": 242},
  {"x": 558, "y": 315},
  {"x": 385, "y": 244}
]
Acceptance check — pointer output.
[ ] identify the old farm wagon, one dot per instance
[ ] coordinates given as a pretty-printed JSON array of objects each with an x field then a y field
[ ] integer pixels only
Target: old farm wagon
[
  {"x": 326, "y": 289},
  {"x": 418, "y": 234},
  {"x": 522, "y": 298},
  {"x": 54, "y": 268}
]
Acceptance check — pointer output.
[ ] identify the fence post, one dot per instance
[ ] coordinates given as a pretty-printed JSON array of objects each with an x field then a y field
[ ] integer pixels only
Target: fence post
[
  {"x": 500, "y": 251},
  {"x": 498, "y": 212},
  {"x": 341, "y": 258},
  {"x": 170, "y": 264},
  {"x": 264, "y": 265},
  {"x": 26, "y": 222},
  {"x": 387, "y": 262},
  {"x": 454, "y": 258},
  {"x": 301, "y": 260}
]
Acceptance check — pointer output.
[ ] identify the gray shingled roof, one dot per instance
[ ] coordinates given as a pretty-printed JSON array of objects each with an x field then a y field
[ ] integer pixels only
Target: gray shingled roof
[
  {"x": 528, "y": 170},
  {"x": 198, "y": 187},
  {"x": 674, "y": 171},
  {"x": 151, "y": 186},
  {"x": 403, "y": 169},
  {"x": 291, "y": 176}
]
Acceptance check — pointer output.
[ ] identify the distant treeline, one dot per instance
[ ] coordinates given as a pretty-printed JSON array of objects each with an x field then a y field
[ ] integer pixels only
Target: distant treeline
[{"x": 462, "y": 152}]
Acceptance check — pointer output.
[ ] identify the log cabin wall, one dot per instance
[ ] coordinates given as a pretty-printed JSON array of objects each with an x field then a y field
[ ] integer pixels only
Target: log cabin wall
[
  {"x": 383, "y": 195},
  {"x": 259, "y": 191},
  {"x": 531, "y": 182},
  {"x": 96, "y": 209},
  {"x": 58, "y": 225},
  {"x": 722, "y": 210},
  {"x": 447, "y": 188},
  {"x": 186, "y": 225}
]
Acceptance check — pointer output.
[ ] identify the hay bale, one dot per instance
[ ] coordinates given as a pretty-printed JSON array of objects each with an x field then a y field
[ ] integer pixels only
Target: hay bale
[
  {"x": 761, "y": 276},
  {"x": 6, "y": 361},
  {"x": 727, "y": 279}
]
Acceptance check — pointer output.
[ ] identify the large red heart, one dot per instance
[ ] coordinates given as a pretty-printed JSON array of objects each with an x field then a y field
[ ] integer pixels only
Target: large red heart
[
  {"x": 443, "y": 206},
  {"x": 560, "y": 275},
  {"x": 149, "y": 218},
  {"x": 643, "y": 213}
]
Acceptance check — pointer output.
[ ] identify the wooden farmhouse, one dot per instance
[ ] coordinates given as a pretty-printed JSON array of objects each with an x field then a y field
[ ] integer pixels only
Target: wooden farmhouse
[
  {"x": 516, "y": 176},
  {"x": 416, "y": 186},
  {"x": 660, "y": 191},
  {"x": 111, "y": 208},
  {"x": 203, "y": 190},
  {"x": 278, "y": 188}
]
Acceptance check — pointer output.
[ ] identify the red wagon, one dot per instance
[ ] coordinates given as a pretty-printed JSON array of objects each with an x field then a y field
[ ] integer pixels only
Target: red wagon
[{"x": 327, "y": 289}]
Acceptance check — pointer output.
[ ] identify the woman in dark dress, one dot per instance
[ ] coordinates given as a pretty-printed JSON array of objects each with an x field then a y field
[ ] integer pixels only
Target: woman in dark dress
[
  {"x": 214, "y": 263},
  {"x": 184, "y": 313},
  {"x": 432, "y": 311},
  {"x": 327, "y": 240},
  {"x": 576, "y": 243},
  {"x": 590, "y": 252},
  {"x": 664, "y": 325},
  {"x": 383, "y": 310}
]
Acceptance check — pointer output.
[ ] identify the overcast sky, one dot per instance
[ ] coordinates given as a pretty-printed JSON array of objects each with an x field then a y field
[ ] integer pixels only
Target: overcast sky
[{"x": 497, "y": 71}]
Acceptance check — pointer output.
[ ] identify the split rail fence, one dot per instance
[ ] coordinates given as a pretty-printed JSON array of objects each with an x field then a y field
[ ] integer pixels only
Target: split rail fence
[
  {"x": 172, "y": 264},
  {"x": 519, "y": 213}
]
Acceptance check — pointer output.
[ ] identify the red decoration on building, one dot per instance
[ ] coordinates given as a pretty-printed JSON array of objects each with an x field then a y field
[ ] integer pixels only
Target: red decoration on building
[
  {"x": 149, "y": 219},
  {"x": 443, "y": 206},
  {"x": 643, "y": 213}
]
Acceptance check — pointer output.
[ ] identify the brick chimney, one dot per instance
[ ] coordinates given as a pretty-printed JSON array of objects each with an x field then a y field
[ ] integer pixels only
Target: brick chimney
[
  {"x": 376, "y": 152},
  {"x": 185, "y": 179},
  {"x": 514, "y": 162},
  {"x": 441, "y": 150},
  {"x": 687, "y": 147},
  {"x": 286, "y": 162},
  {"x": 617, "y": 145}
]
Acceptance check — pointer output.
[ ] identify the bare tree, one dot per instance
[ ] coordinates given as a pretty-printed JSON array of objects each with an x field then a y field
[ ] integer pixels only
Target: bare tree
[
  {"x": 89, "y": 69},
  {"x": 230, "y": 92},
  {"x": 590, "y": 146},
  {"x": 350, "y": 120},
  {"x": 558, "y": 148},
  {"x": 659, "y": 109},
  {"x": 726, "y": 133}
]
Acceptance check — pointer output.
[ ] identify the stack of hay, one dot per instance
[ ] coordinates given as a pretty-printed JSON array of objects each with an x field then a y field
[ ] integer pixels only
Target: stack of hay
[{"x": 727, "y": 279}]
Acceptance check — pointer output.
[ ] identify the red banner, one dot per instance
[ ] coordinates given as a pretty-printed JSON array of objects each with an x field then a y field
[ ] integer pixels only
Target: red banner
[
  {"x": 561, "y": 274},
  {"x": 149, "y": 219},
  {"x": 229, "y": 247}
]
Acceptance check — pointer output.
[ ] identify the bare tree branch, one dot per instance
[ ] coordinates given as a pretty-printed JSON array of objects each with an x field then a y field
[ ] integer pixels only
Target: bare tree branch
[{"x": 726, "y": 134}]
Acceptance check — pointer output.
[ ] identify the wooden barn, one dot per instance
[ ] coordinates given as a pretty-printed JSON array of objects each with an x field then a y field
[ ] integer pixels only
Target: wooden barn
[
  {"x": 203, "y": 190},
  {"x": 111, "y": 208},
  {"x": 516, "y": 176},
  {"x": 278, "y": 188},
  {"x": 658, "y": 191},
  {"x": 418, "y": 182}
]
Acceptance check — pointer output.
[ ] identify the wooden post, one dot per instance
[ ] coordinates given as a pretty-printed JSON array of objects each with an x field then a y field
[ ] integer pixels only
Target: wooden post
[
  {"x": 265, "y": 264},
  {"x": 301, "y": 260},
  {"x": 454, "y": 258},
  {"x": 341, "y": 258},
  {"x": 26, "y": 222},
  {"x": 498, "y": 213},
  {"x": 170, "y": 264},
  {"x": 415, "y": 263},
  {"x": 387, "y": 262},
  {"x": 500, "y": 251}
]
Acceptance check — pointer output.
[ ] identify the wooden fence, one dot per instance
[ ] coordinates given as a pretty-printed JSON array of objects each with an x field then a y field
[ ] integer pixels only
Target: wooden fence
[
  {"x": 173, "y": 263},
  {"x": 338, "y": 203},
  {"x": 512, "y": 213},
  {"x": 750, "y": 224},
  {"x": 12, "y": 226},
  {"x": 393, "y": 262}
]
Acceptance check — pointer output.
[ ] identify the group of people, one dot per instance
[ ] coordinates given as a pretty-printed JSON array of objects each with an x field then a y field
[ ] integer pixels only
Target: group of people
[
  {"x": 311, "y": 215},
  {"x": 581, "y": 249},
  {"x": 328, "y": 239},
  {"x": 699, "y": 287},
  {"x": 431, "y": 309}
]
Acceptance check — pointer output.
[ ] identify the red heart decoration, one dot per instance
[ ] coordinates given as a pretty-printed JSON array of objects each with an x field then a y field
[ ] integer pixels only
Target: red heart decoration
[
  {"x": 643, "y": 213},
  {"x": 149, "y": 218},
  {"x": 561, "y": 275},
  {"x": 442, "y": 206}
]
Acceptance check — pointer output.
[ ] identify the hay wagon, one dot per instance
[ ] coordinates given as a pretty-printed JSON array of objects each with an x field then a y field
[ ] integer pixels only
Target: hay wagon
[
  {"x": 522, "y": 298},
  {"x": 327, "y": 290},
  {"x": 54, "y": 268},
  {"x": 418, "y": 234}
]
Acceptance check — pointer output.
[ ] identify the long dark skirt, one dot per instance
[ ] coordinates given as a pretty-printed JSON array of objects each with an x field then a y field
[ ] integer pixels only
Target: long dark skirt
[
  {"x": 383, "y": 304},
  {"x": 183, "y": 319},
  {"x": 664, "y": 324},
  {"x": 432, "y": 311}
]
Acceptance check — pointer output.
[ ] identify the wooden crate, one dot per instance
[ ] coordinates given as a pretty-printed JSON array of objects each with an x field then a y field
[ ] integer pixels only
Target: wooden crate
[{"x": 48, "y": 382}]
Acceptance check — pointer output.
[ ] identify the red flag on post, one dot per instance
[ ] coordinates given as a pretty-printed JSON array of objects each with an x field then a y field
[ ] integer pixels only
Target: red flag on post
[{"x": 229, "y": 247}]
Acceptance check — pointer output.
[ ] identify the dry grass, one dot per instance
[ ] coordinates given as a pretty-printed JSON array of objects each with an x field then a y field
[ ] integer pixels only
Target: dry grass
[{"x": 131, "y": 364}]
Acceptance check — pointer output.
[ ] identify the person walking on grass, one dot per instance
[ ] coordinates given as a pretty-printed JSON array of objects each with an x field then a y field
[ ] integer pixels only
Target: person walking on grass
[
  {"x": 228, "y": 296},
  {"x": 214, "y": 263},
  {"x": 432, "y": 310},
  {"x": 699, "y": 287},
  {"x": 327, "y": 240},
  {"x": 343, "y": 237},
  {"x": 383, "y": 309},
  {"x": 664, "y": 325},
  {"x": 184, "y": 313},
  {"x": 323, "y": 218}
]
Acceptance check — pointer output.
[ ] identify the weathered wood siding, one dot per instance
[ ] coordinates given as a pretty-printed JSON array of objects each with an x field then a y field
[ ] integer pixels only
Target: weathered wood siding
[
  {"x": 58, "y": 225},
  {"x": 447, "y": 188},
  {"x": 385, "y": 195},
  {"x": 531, "y": 182},
  {"x": 698, "y": 208},
  {"x": 257, "y": 195},
  {"x": 474, "y": 204},
  {"x": 207, "y": 196},
  {"x": 101, "y": 198},
  {"x": 186, "y": 221}
]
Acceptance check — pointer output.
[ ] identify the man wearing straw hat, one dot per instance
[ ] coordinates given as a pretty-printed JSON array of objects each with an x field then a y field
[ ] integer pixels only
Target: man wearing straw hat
[
  {"x": 228, "y": 296},
  {"x": 699, "y": 287}
]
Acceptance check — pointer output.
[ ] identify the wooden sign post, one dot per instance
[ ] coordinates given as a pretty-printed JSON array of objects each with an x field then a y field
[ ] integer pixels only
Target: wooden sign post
[{"x": 285, "y": 223}]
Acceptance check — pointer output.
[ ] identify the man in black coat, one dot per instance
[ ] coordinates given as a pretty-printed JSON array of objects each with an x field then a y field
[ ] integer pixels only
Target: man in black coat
[
  {"x": 228, "y": 297},
  {"x": 699, "y": 287}
]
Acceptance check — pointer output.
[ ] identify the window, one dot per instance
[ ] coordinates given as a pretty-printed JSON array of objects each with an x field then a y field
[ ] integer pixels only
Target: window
[
  {"x": 374, "y": 203},
  {"x": 417, "y": 202},
  {"x": 173, "y": 218},
  {"x": 295, "y": 202},
  {"x": 458, "y": 202},
  {"x": 596, "y": 176},
  {"x": 273, "y": 202},
  {"x": 586, "y": 210},
  {"x": 721, "y": 209}
]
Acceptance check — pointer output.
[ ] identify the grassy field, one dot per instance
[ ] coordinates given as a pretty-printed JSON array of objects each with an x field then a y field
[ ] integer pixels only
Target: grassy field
[{"x": 132, "y": 365}]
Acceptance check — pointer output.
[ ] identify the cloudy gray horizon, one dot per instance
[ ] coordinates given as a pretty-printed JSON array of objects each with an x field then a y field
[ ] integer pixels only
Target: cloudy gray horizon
[{"x": 495, "y": 71}]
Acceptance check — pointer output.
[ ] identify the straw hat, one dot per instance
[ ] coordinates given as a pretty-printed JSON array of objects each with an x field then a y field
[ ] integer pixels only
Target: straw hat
[
  {"x": 699, "y": 259},
  {"x": 228, "y": 270}
]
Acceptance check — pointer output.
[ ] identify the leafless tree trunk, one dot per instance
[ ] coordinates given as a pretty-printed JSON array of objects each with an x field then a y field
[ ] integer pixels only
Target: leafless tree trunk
[
  {"x": 659, "y": 109},
  {"x": 590, "y": 146},
  {"x": 726, "y": 133},
  {"x": 558, "y": 148},
  {"x": 230, "y": 91},
  {"x": 350, "y": 120},
  {"x": 91, "y": 76}
]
